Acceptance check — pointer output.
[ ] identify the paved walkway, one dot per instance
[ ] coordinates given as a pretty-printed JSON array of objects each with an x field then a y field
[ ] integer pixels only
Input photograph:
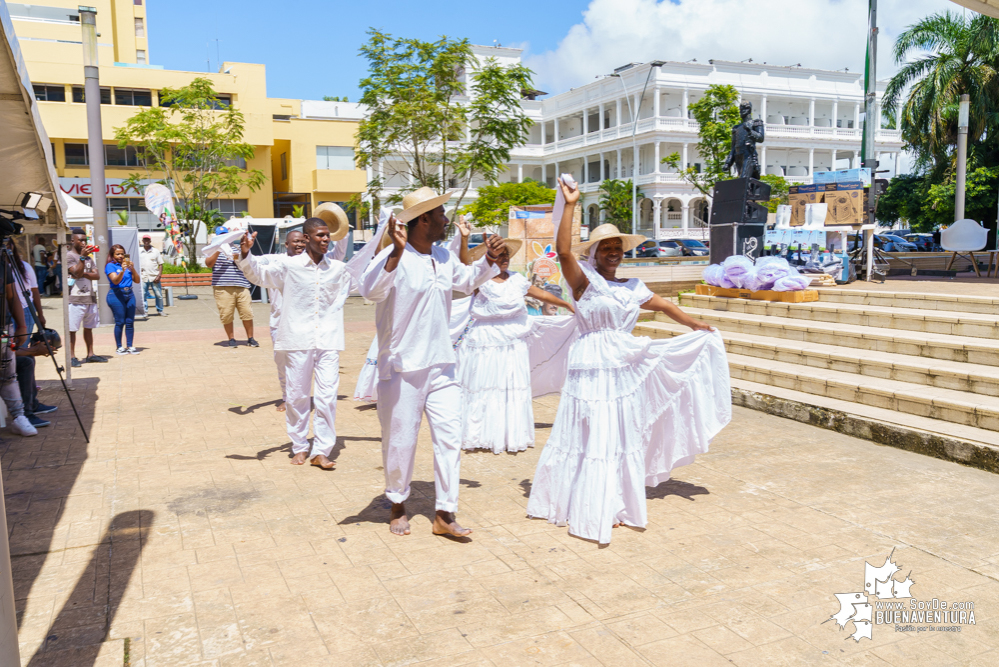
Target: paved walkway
[{"x": 183, "y": 529}]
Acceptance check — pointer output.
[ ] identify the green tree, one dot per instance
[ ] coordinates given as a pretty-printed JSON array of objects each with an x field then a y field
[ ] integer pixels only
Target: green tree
[
  {"x": 298, "y": 210},
  {"x": 779, "y": 189},
  {"x": 717, "y": 113},
  {"x": 492, "y": 208},
  {"x": 981, "y": 188},
  {"x": 192, "y": 143},
  {"x": 960, "y": 56},
  {"x": 615, "y": 201},
  {"x": 427, "y": 122},
  {"x": 903, "y": 202},
  {"x": 361, "y": 208},
  {"x": 330, "y": 98}
]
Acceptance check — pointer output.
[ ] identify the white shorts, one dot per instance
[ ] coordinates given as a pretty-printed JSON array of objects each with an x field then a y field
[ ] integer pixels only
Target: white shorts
[{"x": 87, "y": 314}]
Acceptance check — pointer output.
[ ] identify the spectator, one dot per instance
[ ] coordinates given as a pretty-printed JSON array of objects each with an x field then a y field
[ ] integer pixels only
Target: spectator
[
  {"x": 232, "y": 293},
  {"x": 26, "y": 381},
  {"x": 151, "y": 269},
  {"x": 53, "y": 282},
  {"x": 10, "y": 392},
  {"x": 122, "y": 275},
  {"x": 83, "y": 309},
  {"x": 38, "y": 254},
  {"x": 24, "y": 281}
]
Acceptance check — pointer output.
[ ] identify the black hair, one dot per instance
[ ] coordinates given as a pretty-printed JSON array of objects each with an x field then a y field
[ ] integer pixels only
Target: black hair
[{"x": 312, "y": 224}]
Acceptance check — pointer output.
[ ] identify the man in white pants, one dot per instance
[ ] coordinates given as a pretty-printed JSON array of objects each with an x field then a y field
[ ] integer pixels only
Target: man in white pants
[
  {"x": 295, "y": 243},
  {"x": 314, "y": 286},
  {"x": 412, "y": 284}
]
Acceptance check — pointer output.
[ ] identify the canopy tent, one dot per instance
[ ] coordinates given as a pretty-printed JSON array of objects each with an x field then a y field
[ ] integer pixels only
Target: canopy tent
[
  {"x": 75, "y": 212},
  {"x": 987, "y": 7}
]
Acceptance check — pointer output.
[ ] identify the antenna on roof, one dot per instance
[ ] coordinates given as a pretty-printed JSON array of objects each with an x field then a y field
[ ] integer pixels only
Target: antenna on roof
[{"x": 747, "y": 60}]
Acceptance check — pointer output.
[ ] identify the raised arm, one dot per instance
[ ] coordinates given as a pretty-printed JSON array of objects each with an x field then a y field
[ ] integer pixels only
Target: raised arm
[
  {"x": 661, "y": 305},
  {"x": 268, "y": 274},
  {"x": 211, "y": 259},
  {"x": 468, "y": 278},
  {"x": 464, "y": 230},
  {"x": 549, "y": 298},
  {"x": 574, "y": 276}
]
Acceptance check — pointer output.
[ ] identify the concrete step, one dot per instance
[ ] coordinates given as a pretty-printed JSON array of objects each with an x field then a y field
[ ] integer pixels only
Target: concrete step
[
  {"x": 972, "y": 325},
  {"x": 985, "y": 305},
  {"x": 958, "y": 376},
  {"x": 943, "y": 404},
  {"x": 933, "y": 346}
]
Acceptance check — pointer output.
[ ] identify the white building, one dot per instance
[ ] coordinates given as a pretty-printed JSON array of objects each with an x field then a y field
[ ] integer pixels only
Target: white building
[{"x": 813, "y": 123}]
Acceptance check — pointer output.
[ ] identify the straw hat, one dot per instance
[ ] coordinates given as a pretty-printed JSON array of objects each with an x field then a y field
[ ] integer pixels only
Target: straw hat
[
  {"x": 609, "y": 231},
  {"x": 421, "y": 201},
  {"x": 335, "y": 219},
  {"x": 513, "y": 245}
]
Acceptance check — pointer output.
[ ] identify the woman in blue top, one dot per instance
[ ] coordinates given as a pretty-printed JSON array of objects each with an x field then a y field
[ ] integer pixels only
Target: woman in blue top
[{"x": 122, "y": 275}]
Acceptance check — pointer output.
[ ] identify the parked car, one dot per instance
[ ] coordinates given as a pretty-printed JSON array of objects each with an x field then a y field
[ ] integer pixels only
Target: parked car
[
  {"x": 923, "y": 242},
  {"x": 883, "y": 242},
  {"x": 898, "y": 244},
  {"x": 659, "y": 249},
  {"x": 693, "y": 247}
]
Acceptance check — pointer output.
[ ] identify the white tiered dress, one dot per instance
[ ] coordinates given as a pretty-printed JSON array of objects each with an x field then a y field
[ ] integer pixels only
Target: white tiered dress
[
  {"x": 632, "y": 409},
  {"x": 495, "y": 365}
]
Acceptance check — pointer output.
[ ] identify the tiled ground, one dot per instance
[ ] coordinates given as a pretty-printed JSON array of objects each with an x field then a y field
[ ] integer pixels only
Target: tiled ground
[{"x": 183, "y": 528}]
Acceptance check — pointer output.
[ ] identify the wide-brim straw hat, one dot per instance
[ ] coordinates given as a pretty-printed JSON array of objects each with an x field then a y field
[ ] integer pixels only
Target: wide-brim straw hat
[
  {"x": 421, "y": 201},
  {"x": 513, "y": 245},
  {"x": 609, "y": 231},
  {"x": 335, "y": 218}
]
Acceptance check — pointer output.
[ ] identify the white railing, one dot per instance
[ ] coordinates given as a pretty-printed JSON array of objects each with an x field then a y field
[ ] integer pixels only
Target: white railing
[
  {"x": 650, "y": 179},
  {"x": 571, "y": 142}
]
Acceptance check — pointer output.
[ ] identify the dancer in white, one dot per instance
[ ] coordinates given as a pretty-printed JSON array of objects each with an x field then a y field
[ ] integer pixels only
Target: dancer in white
[
  {"x": 494, "y": 361},
  {"x": 314, "y": 286},
  {"x": 632, "y": 408},
  {"x": 412, "y": 283},
  {"x": 295, "y": 243}
]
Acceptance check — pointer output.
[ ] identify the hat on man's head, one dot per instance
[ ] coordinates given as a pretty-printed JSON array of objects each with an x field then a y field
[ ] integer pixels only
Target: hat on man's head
[
  {"x": 421, "y": 201},
  {"x": 147, "y": 236},
  {"x": 335, "y": 219}
]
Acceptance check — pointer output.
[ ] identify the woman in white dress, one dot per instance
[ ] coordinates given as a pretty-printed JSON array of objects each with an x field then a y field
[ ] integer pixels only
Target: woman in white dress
[
  {"x": 632, "y": 408},
  {"x": 494, "y": 363}
]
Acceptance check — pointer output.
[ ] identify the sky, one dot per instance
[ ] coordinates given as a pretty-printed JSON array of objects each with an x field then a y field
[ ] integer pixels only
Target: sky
[{"x": 310, "y": 47}]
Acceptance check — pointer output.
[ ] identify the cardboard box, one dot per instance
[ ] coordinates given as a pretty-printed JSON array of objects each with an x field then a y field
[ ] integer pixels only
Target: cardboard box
[
  {"x": 845, "y": 202},
  {"x": 800, "y": 196}
]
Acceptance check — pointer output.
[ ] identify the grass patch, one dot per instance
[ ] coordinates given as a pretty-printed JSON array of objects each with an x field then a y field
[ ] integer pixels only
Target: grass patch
[
  {"x": 128, "y": 645},
  {"x": 174, "y": 269}
]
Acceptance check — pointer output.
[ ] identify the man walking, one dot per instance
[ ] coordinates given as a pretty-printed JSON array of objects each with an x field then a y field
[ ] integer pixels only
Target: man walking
[
  {"x": 83, "y": 311},
  {"x": 232, "y": 293},
  {"x": 411, "y": 282},
  {"x": 309, "y": 335},
  {"x": 151, "y": 271},
  {"x": 295, "y": 242}
]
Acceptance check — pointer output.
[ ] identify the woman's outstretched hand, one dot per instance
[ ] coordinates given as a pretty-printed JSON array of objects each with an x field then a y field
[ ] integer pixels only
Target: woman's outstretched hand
[{"x": 698, "y": 325}]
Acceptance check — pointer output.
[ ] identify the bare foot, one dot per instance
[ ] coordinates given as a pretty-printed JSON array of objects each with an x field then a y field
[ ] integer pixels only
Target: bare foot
[
  {"x": 320, "y": 461},
  {"x": 398, "y": 523},
  {"x": 280, "y": 407},
  {"x": 299, "y": 459},
  {"x": 617, "y": 525},
  {"x": 445, "y": 523}
]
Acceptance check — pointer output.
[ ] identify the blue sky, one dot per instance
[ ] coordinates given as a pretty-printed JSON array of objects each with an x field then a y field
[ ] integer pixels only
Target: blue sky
[{"x": 311, "y": 47}]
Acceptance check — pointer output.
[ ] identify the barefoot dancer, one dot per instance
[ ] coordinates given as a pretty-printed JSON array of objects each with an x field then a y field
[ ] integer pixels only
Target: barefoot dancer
[
  {"x": 314, "y": 286},
  {"x": 295, "y": 241},
  {"x": 412, "y": 284},
  {"x": 632, "y": 409}
]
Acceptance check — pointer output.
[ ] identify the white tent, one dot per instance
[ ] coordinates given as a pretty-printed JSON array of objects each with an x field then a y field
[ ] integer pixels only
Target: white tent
[
  {"x": 987, "y": 7},
  {"x": 75, "y": 212}
]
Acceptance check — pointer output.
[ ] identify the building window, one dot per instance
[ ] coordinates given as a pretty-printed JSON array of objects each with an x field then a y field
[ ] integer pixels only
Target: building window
[
  {"x": 140, "y": 27},
  {"x": 235, "y": 162},
  {"x": 224, "y": 100},
  {"x": 133, "y": 97},
  {"x": 121, "y": 157},
  {"x": 45, "y": 93},
  {"x": 284, "y": 166},
  {"x": 140, "y": 57},
  {"x": 80, "y": 96},
  {"x": 335, "y": 157},
  {"x": 76, "y": 155},
  {"x": 230, "y": 207},
  {"x": 137, "y": 2}
]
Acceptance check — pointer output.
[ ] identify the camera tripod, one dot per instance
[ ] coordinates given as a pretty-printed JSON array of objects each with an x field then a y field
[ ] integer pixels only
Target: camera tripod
[{"x": 9, "y": 267}]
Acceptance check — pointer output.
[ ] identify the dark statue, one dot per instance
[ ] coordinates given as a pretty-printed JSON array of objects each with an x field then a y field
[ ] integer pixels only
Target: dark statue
[{"x": 745, "y": 136}]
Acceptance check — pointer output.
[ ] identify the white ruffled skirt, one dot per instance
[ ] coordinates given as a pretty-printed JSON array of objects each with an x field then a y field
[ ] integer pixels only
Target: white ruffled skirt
[
  {"x": 632, "y": 409},
  {"x": 367, "y": 380}
]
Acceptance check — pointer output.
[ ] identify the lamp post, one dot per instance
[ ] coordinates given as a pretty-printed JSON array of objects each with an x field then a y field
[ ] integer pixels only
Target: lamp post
[
  {"x": 962, "y": 156},
  {"x": 634, "y": 145}
]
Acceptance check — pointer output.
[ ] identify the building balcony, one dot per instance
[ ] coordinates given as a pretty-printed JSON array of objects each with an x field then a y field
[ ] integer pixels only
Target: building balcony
[{"x": 336, "y": 180}]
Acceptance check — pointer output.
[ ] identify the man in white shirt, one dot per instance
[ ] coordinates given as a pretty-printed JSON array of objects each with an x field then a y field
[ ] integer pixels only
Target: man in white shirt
[
  {"x": 151, "y": 271},
  {"x": 412, "y": 284},
  {"x": 295, "y": 242},
  {"x": 38, "y": 252},
  {"x": 314, "y": 286}
]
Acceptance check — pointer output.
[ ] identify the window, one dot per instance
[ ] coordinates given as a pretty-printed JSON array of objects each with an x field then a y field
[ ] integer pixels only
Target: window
[
  {"x": 284, "y": 166},
  {"x": 224, "y": 100},
  {"x": 45, "y": 93},
  {"x": 140, "y": 27},
  {"x": 140, "y": 57},
  {"x": 121, "y": 157},
  {"x": 80, "y": 95},
  {"x": 230, "y": 207},
  {"x": 133, "y": 97},
  {"x": 77, "y": 155},
  {"x": 137, "y": 2},
  {"x": 235, "y": 162},
  {"x": 335, "y": 157}
]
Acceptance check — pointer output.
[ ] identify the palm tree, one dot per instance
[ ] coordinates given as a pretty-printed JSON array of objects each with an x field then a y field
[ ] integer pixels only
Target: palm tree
[
  {"x": 962, "y": 58},
  {"x": 615, "y": 200}
]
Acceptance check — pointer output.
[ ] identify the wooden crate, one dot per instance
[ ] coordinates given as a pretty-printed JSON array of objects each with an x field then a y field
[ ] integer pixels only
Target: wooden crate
[{"x": 801, "y": 296}]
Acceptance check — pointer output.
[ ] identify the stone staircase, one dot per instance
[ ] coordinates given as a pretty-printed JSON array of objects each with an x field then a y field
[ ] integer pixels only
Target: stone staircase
[{"x": 917, "y": 371}]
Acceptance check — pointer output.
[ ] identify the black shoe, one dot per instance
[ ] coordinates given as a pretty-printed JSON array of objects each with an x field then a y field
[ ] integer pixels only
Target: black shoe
[
  {"x": 75, "y": 363},
  {"x": 96, "y": 359},
  {"x": 252, "y": 343},
  {"x": 232, "y": 342},
  {"x": 38, "y": 422},
  {"x": 42, "y": 409}
]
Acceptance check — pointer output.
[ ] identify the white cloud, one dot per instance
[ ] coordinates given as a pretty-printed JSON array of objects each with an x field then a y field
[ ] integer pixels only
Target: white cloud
[{"x": 825, "y": 34}]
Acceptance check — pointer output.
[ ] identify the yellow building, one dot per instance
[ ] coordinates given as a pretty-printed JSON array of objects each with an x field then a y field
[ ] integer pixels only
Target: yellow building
[{"x": 307, "y": 160}]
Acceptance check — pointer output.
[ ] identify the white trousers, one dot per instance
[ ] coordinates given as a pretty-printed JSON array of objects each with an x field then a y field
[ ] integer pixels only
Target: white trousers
[
  {"x": 402, "y": 400},
  {"x": 280, "y": 362},
  {"x": 300, "y": 367}
]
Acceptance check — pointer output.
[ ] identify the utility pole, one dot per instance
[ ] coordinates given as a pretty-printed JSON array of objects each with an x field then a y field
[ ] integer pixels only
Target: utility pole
[
  {"x": 962, "y": 156},
  {"x": 95, "y": 149},
  {"x": 868, "y": 154}
]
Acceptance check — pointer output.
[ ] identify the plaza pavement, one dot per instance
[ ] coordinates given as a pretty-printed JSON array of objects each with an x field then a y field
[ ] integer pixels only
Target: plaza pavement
[{"x": 182, "y": 535}]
